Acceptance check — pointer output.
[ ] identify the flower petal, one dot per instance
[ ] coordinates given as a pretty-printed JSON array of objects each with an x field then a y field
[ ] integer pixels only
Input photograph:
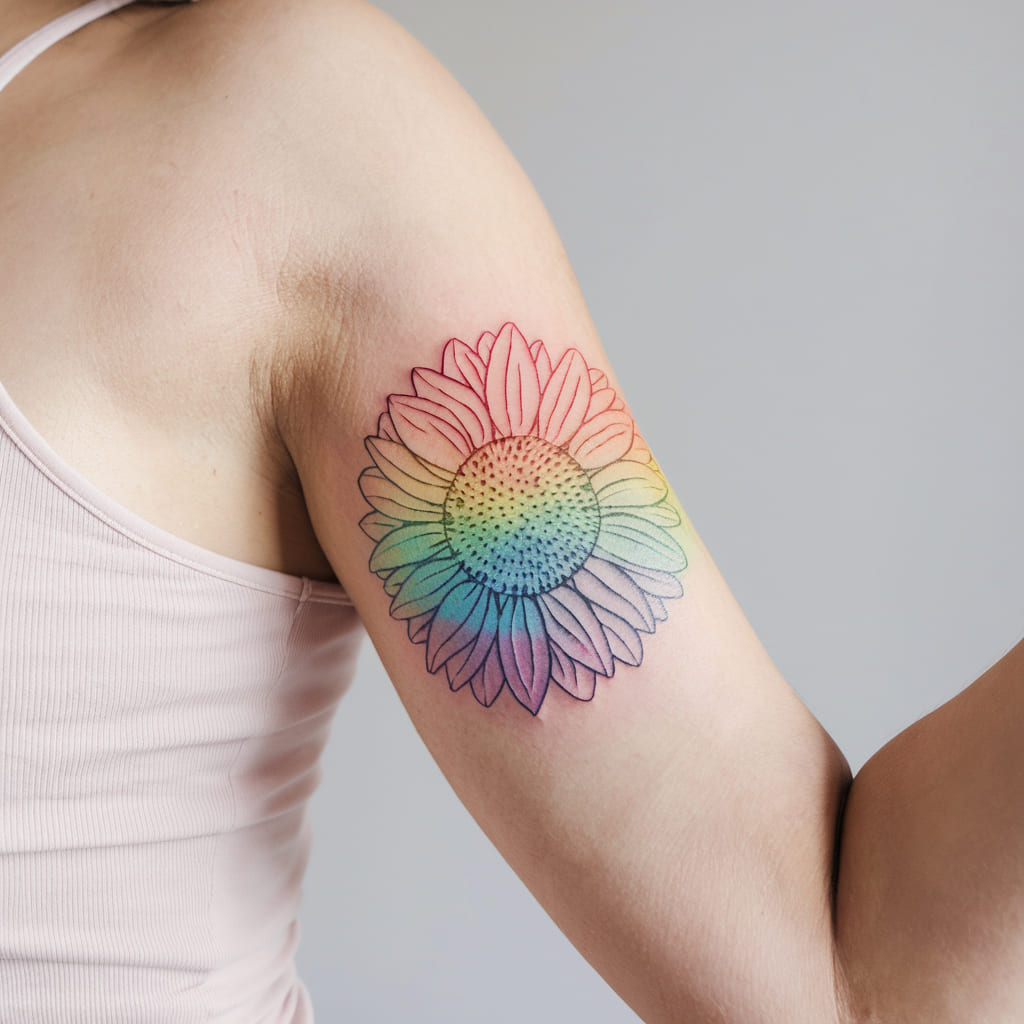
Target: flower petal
[
  {"x": 460, "y": 362},
  {"x": 389, "y": 498},
  {"x": 622, "y": 637},
  {"x": 419, "y": 627},
  {"x": 542, "y": 361},
  {"x": 457, "y": 622},
  {"x": 401, "y": 467},
  {"x": 658, "y": 608},
  {"x": 459, "y": 399},
  {"x": 572, "y": 625},
  {"x": 430, "y": 430},
  {"x": 651, "y": 581},
  {"x": 488, "y": 680},
  {"x": 386, "y": 428},
  {"x": 600, "y": 401},
  {"x": 605, "y": 585},
  {"x": 377, "y": 525},
  {"x": 598, "y": 379},
  {"x": 461, "y": 667},
  {"x": 638, "y": 542},
  {"x": 393, "y": 580},
  {"x": 577, "y": 680},
  {"x": 662, "y": 514},
  {"x": 414, "y": 542},
  {"x": 565, "y": 401},
  {"x": 484, "y": 344},
  {"x": 523, "y": 648},
  {"x": 513, "y": 388},
  {"x": 628, "y": 484},
  {"x": 603, "y": 439},
  {"x": 426, "y": 587}
]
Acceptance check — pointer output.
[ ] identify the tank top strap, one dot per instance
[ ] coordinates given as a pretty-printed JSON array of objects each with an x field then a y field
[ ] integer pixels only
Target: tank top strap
[{"x": 23, "y": 53}]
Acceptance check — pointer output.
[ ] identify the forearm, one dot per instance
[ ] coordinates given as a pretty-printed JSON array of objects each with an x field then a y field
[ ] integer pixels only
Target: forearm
[{"x": 931, "y": 878}]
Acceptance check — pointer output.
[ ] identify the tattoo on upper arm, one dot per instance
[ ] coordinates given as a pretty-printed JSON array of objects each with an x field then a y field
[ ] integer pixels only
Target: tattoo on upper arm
[{"x": 521, "y": 525}]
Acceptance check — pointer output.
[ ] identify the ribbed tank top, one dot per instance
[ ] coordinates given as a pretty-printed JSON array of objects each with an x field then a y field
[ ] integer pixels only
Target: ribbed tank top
[{"x": 163, "y": 709}]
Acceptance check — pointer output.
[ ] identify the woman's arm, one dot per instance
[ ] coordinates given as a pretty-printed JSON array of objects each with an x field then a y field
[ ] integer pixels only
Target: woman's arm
[{"x": 655, "y": 782}]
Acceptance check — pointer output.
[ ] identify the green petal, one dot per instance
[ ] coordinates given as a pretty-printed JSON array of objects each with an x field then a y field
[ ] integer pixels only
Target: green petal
[{"x": 634, "y": 540}]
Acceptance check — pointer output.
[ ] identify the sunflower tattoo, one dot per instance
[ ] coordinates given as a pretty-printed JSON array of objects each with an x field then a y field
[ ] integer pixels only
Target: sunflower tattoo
[{"x": 521, "y": 526}]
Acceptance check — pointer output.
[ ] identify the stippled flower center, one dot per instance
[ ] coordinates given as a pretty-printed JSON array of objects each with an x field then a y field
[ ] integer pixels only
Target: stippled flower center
[{"x": 521, "y": 515}]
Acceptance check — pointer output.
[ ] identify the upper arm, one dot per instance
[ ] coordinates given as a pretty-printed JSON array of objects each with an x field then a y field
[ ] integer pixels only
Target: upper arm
[{"x": 552, "y": 622}]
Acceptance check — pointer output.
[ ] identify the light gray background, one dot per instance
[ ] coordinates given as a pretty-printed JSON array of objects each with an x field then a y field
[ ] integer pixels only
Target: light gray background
[{"x": 800, "y": 229}]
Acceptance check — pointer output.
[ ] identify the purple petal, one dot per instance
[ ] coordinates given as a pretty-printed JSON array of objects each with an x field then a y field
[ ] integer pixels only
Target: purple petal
[
  {"x": 513, "y": 389},
  {"x": 650, "y": 581},
  {"x": 622, "y": 637},
  {"x": 610, "y": 587},
  {"x": 572, "y": 625},
  {"x": 566, "y": 400},
  {"x": 577, "y": 680},
  {"x": 523, "y": 647},
  {"x": 419, "y": 626},
  {"x": 489, "y": 679},
  {"x": 457, "y": 622},
  {"x": 467, "y": 663}
]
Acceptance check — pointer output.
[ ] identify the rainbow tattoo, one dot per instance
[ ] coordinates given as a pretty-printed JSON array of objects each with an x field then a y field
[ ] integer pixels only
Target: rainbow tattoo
[{"x": 521, "y": 525}]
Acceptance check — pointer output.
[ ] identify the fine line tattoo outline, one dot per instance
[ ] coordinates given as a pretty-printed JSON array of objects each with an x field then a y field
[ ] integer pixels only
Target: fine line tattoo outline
[{"x": 521, "y": 525}]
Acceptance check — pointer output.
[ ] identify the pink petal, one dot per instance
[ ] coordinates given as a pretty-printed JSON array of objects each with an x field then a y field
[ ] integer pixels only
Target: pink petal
[
  {"x": 566, "y": 400},
  {"x": 577, "y": 681},
  {"x": 385, "y": 428},
  {"x": 598, "y": 379},
  {"x": 459, "y": 399},
  {"x": 513, "y": 389},
  {"x": 542, "y": 361},
  {"x": 460, "y": 362},
  {"x": 602, "y": 440},
  {"x": 484, "y": 344},
  {"x": 488, "y": 680},
  {"x": 430, "y": 430},
  {"x": 523, "y": 648},
  {"x": 600, "y": 400},
  {"x": 572, "y": 625}
]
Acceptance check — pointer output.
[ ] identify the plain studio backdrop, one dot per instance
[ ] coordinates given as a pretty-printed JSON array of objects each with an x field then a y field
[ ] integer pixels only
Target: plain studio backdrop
[{"x": 800, "y": 231}]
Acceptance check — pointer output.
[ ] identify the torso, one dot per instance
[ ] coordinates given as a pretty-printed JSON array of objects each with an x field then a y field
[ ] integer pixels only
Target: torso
[{"x": 141, "y": 280}]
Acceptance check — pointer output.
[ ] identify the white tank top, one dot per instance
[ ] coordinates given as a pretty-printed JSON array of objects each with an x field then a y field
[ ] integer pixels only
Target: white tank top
[{"x": 162, "y": 713}]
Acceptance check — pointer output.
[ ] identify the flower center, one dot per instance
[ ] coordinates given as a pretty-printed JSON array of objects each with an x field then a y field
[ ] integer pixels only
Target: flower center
[{"x": 521, "y": 515}]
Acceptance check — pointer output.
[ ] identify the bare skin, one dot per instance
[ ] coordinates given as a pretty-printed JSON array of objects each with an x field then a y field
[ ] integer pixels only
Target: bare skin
[{"x": 215, "y": 262}]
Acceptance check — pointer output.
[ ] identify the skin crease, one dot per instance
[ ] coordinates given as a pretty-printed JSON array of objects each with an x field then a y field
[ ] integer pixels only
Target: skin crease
[{"x": 235, "y": 297}]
